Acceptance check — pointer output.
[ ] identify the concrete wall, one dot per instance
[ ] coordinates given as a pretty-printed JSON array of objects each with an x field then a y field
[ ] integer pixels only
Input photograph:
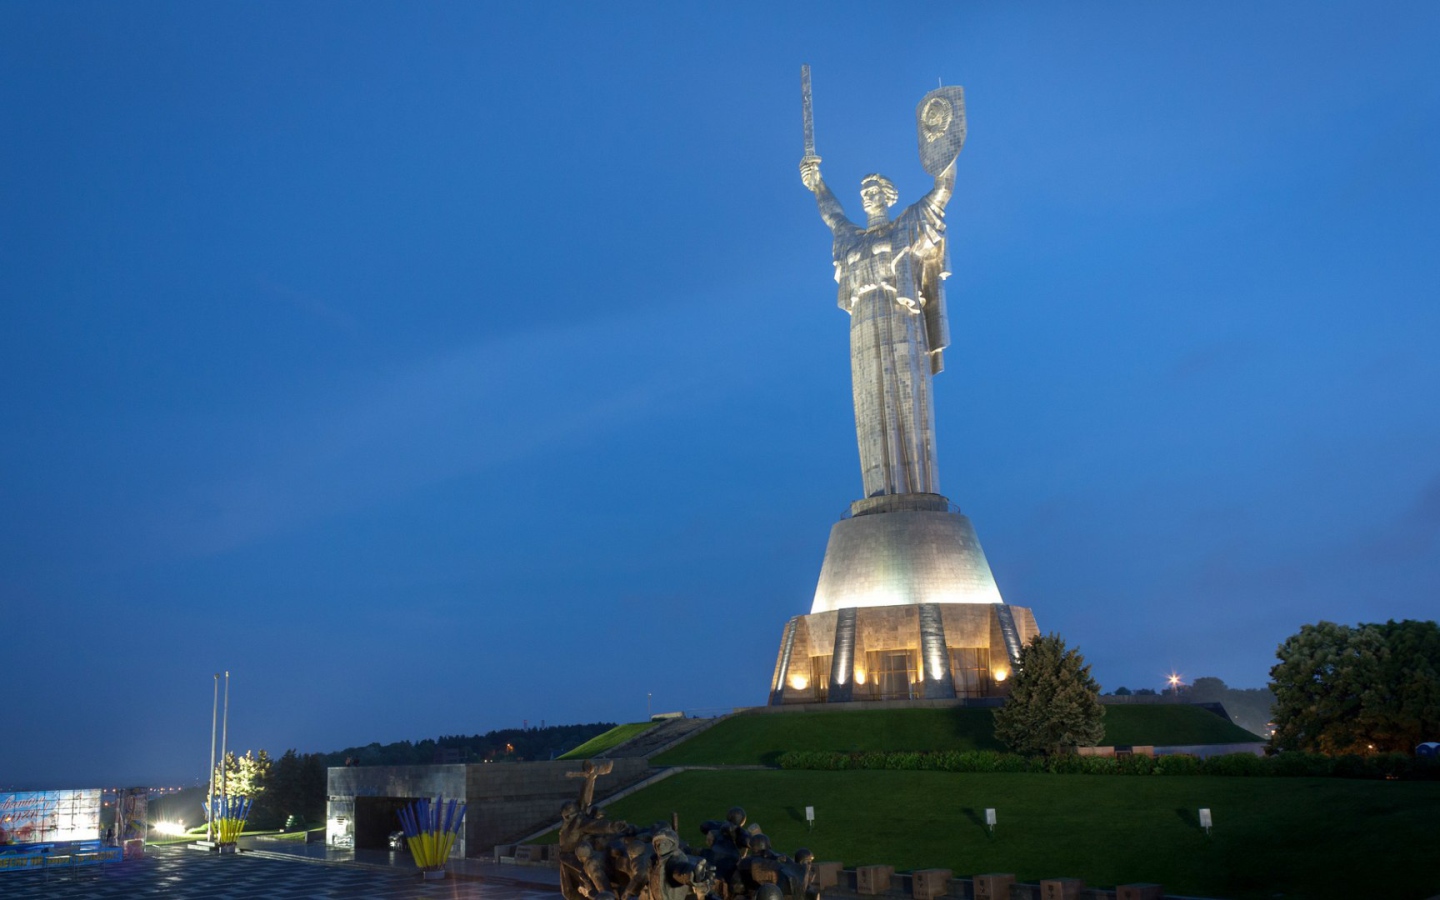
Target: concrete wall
[
  {"x": 509, "y": 800},
  {"x": 504, "y": 800},
  {"x": 346, "y": 783}
]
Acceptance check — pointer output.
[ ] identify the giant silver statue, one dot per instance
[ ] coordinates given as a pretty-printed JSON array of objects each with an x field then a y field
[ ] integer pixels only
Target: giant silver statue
[{"x": 891, "y": 274}]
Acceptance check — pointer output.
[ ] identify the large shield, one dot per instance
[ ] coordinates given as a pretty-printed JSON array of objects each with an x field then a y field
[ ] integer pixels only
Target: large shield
[{"x": 940, "y": 126}]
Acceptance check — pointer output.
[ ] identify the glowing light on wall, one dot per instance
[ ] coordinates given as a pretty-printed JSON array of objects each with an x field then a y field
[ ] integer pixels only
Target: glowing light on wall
[
  {"x": 799, "y": 682},
  {"x": 937, "y": 666},
  {"x": 859, "y": 676},
  {"x": 1001, "y": 674}
]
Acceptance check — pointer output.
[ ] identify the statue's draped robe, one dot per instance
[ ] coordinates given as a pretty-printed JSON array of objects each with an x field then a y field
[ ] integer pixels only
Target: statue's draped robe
[{"x": 890, "y": 278}]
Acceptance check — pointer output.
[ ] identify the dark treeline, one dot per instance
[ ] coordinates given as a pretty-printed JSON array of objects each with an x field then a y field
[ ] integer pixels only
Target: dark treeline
[
  {"x": 502, "y": 745},
  {"x": 294, "y": 791}
]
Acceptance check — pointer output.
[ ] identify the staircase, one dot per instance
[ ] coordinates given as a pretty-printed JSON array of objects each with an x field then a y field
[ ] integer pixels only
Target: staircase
[{"x": 655, "y": 740}]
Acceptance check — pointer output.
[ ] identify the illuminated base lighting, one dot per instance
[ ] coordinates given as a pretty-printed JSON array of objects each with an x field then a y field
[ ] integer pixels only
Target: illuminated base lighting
[
  {"x": 904, "y": 557},
  {"x": 913, "y": 652}
]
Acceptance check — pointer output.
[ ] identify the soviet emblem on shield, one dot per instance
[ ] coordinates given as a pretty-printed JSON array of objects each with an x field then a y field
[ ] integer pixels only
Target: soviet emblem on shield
[
  {"x": 935, "y": 118},
  {"x": 940, "y": 125}
]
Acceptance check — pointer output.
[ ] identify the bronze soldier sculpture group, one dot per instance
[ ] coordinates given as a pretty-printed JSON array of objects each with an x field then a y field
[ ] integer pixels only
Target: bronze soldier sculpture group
[{"x": 604, "y": 860}]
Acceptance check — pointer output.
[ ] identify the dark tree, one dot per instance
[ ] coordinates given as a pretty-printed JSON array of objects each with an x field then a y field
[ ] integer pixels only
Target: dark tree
[
  {"x": 1054, "y": 703},
  {"x": 1363, "y": 689}
]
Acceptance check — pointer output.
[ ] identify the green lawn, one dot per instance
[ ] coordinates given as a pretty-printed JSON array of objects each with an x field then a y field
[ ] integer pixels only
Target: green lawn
[
  {"x": 1296, "y": 837},
  {"x": 612, "y": 738},
  {"x": 758, "y": 739}
]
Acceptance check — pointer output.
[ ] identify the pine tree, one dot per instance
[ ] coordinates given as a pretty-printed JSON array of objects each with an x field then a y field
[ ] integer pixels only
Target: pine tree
[{"x": 1054, "y": 703}]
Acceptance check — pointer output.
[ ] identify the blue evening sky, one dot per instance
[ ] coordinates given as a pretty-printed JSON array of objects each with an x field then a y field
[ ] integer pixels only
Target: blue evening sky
[{"x": 439, "y": 367}]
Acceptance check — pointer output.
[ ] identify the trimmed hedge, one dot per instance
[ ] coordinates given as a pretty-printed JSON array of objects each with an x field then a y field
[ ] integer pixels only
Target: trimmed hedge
[{"x": 1309, "y": 765}]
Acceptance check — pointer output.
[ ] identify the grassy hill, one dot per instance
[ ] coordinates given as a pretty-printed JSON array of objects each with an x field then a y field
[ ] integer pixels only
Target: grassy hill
[
  {"x": 606, "y": 740},
  {"x": 758, "y": 739},
  {"x": 1296, "y": 837}
]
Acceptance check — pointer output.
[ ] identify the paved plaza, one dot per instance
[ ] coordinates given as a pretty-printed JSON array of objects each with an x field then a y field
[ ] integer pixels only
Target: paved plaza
[{"x": 183, "y": 873}]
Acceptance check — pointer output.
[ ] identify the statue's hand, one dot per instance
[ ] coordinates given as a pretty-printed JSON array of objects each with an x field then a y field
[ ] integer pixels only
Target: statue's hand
[{"x": 810, "y": 172}]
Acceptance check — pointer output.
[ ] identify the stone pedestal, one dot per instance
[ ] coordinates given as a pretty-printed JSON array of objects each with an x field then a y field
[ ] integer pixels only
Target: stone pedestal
[
  {"x": 995, "y": 886},
  {"x": 1061, "y": 888},
  {"x": 895, "y": 552},
  {"x": 927, "y": 884},
  {"x": 827, "y": 874},
  {"x": 873, "y": 879},
  {"x": 930, "y": 651},
  {"x": 1140, "y": 892}
]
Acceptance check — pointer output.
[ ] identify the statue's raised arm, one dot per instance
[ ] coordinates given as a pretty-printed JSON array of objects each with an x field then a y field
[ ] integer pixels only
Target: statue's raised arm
[{"x": 830, "y": 209}]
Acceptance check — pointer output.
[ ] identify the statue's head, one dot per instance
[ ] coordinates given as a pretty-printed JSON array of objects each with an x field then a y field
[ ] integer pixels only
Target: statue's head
[
  {"x": 569, "y": 809},
  {"x": 877, "y": 193},
  {"x": 736, "y": 816},
  {"x": 665, "y": 842}
]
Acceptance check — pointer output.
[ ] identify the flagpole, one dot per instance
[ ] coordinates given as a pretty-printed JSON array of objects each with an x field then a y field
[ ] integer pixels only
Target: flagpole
[
  {"x": 210, "y": 792},
  {"x": 224, "y": 732}
]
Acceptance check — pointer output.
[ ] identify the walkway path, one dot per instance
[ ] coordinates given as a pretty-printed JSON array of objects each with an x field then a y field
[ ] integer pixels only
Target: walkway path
[{"x": 184, "y": 874}]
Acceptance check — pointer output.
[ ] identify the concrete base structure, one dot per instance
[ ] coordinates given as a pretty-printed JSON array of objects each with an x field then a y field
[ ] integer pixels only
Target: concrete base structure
[
  {"x": 504, "y": 800},
  {"x": 928, "y": 651},
  {"x": 906, "y": 608},
  {"x": 903, "y": 549}
]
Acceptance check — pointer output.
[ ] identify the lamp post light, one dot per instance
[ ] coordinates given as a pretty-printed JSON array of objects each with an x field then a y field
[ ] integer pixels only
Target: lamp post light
[{"x": 1175, "y": 683}]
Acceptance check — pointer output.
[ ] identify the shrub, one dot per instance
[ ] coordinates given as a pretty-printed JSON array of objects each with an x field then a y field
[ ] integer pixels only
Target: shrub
[
  {"x": 1352, "y": 765},
  {"x": 814, "y": 759},
  {"x": 1236, "y": 764},
  {"x": 1073, "y": 764},
  {"x": 1301, "y": 765},
  {"x": 1132, "y": 764},
  {"x": 1289, "y": 764},
  {"x": 1178, "y": 764}
]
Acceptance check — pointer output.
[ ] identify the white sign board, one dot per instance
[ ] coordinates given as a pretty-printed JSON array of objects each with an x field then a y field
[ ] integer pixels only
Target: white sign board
[{"x": 809, "y": 813}]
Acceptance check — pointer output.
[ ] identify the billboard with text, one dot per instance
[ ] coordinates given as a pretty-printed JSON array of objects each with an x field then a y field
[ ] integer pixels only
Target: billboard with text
[{"x": 28, "y": 817}]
